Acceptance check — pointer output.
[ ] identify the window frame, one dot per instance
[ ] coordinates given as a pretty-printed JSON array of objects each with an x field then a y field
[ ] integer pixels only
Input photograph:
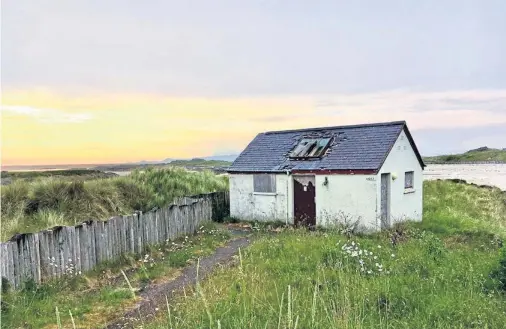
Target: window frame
[
  {"x": 264, "y": 187},
  {"x": 310, "y": 147},
  {"x": 412, "y": 186}
]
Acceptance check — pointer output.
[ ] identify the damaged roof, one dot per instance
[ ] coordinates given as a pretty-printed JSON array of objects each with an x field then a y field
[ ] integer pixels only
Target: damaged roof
[{"x": 353, "y": 147}]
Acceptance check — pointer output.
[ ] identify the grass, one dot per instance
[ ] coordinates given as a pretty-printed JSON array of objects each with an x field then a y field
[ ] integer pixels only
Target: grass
[
  {"x": 51, "y": 173},
  {"x": 9, "y": 177},
  {"x": 470, "y": 156},
  {"x": 437, "y": 274},
  {"x": 30, "y": 206},
  {"x": 451, "y": 208},
  {"x": 103, "y": 294}
]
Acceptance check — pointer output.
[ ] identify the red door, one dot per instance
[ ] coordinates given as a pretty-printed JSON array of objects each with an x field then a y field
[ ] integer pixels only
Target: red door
[{"x": 304, "y": 203}]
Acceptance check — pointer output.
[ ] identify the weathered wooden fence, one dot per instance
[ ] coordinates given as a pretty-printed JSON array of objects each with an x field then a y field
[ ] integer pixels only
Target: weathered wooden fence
[{"x": 74, "y": 249}]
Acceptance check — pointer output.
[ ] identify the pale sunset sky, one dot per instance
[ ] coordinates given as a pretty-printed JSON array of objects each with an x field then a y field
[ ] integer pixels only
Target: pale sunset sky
[{"x": 108, "y": 81}]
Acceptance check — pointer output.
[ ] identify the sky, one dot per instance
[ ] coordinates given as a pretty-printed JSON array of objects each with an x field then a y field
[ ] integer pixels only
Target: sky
[{"x": 120, "y": 80}]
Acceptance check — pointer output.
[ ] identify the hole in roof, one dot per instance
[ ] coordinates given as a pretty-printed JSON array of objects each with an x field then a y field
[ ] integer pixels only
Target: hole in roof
[{"x": 310, "y": 148}]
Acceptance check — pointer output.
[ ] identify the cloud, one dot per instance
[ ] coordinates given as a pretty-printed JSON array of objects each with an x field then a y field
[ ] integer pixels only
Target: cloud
[
  {"x": 46, "y": 115},
  {"x": 170, "y": 46},
  {"x": 443, "y": 110}
]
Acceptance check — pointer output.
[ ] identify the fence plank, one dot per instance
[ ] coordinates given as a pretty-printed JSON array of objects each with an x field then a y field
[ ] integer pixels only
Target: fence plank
[
  {"x": 37, "y": 259},
  {"x": 4, "y": 261},
  {"x": 10, "y": 262},
  {"x": 77, "y": 248},
  {"x": 138, "y": 232},
  {"x": 97, "y": 228},
  {"x": 83, "y": 241},
  {"x": 113, "y": 246}
]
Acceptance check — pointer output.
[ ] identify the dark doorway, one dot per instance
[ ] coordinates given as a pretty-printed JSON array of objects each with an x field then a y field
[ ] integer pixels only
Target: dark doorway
[
  {"x": 304, "y": 205},
  {"x": 385, "y": 201}
]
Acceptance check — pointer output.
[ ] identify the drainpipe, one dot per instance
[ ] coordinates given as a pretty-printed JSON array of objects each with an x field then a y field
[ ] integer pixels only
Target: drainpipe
[{"x": 287, "y": 202}]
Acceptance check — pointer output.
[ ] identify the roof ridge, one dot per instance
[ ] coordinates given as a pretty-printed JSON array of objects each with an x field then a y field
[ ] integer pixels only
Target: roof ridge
[{"x": 375, "y": 124}]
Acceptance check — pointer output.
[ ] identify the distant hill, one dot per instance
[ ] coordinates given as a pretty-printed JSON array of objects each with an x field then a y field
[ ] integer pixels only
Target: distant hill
[
  {"x": 481, "y": 154},
  {"x": 200, "y": 162},
  {"x": 228, "y": 158},
  {"x": 191, "y": 164}
]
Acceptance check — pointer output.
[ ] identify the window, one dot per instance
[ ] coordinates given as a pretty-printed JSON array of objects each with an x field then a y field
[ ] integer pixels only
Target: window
[
  {"x": 264, "y": 183},
  {"x": 310, "y": 148},
  {"x": 408, "y": 179}
]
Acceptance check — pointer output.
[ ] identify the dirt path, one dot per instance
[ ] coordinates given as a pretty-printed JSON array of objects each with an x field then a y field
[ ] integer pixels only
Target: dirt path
[{"x": 154, "y": 296}]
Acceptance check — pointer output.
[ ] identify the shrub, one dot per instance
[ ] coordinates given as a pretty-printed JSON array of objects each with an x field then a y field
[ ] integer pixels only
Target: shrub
[
  {"x": 433, "y": 246},
  {"x": 14, "y": 199},
  {"x": 499, "y": 274}
]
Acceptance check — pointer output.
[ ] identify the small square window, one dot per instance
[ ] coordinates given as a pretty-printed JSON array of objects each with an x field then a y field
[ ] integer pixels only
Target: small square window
[
  {"x": 264, "y": 183},
  {"x": 408, "y": 179}
]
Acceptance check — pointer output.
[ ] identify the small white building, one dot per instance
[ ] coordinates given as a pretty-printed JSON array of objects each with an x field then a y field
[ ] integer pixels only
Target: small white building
[{"x": 368, "y": 176}]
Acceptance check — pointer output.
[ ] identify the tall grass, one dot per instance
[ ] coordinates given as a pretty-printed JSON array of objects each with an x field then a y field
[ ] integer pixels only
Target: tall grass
[
  {"x": 437, "y": 275},
  {"x": 46, "y": 202}
]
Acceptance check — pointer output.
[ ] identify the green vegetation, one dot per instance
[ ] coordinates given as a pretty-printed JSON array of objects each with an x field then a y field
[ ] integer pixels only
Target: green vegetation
[
  {"x": 47, "y": 202},
  {"x": 95, "y": 298},
  {"x": 477, "y": 155},
  {"x": 442, "y": 273},
  {"x": 9, "y": 177},
  {"x": 195, "y": 163},
  {"x": 200, "y": 163}
]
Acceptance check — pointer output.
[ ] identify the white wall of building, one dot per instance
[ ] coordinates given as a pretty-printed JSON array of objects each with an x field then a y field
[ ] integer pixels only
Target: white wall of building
[
  {"x": 346, "y": 197},
  {"x": 404, "y": 204},
  {"x": 246, "y": 204}
]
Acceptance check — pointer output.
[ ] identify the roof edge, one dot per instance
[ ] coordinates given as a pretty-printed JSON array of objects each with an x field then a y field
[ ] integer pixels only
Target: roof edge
[
  {"x": 413, "y": 145},
  {"x": 411, "y": 142},
  {"x": 306, "y": 171},
  {"x": 376, "y": 124}
]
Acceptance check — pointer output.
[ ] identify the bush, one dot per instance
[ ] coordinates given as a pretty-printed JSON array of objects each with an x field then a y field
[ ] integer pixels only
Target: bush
[
  {"x": 14, "y": 199},
  {"x": 499, "y": 274}
]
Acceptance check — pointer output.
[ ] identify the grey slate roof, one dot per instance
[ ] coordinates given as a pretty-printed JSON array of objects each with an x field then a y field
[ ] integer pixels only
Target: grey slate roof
[{"x": 357, "y": 147}]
